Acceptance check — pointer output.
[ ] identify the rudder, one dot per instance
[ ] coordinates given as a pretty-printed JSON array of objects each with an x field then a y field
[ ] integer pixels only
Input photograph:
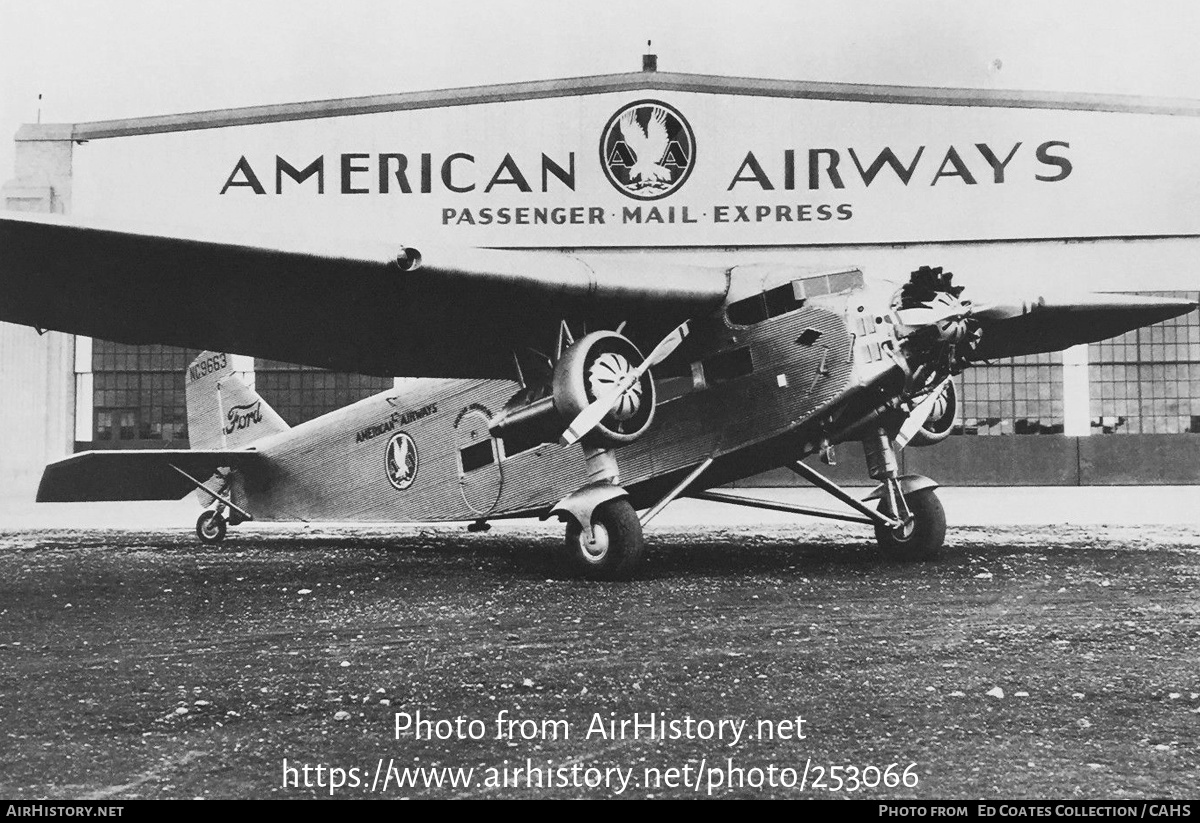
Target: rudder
[{"x": 223, "y": 412}]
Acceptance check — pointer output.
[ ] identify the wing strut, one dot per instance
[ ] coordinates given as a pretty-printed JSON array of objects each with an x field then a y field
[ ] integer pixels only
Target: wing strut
[
  {"x": 870, "y": 518},
  {"x": 822, "y": 482},
  {"x": 775, "y": 505},
  {"x": 675, "y": 492}
]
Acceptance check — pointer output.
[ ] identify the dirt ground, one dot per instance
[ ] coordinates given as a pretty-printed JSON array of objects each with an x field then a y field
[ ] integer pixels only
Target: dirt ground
[{"x": 1035, "y": 662}]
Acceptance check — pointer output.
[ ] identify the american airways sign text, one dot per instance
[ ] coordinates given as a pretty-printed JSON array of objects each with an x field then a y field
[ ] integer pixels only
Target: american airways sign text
[{"x": 827, "y": 177}]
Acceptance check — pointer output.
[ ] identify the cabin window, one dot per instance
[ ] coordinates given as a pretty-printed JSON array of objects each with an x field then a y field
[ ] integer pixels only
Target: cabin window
[
  {"x": 728, "y": 365},
  {"x": 477, "y": 456}
]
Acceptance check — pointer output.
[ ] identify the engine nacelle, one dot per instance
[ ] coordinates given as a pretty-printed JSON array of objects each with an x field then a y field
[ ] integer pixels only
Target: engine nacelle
[
  {"x": 591, "y": 369},
  {"x": 940, "y": 422}
]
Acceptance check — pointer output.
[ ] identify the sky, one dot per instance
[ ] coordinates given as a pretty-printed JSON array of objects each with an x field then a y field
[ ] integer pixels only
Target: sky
[{"x": 93, "y": 60}]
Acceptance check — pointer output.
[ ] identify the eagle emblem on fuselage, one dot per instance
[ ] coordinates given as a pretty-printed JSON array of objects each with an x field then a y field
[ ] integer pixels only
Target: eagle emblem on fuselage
[{"x": 401, "y": 460}]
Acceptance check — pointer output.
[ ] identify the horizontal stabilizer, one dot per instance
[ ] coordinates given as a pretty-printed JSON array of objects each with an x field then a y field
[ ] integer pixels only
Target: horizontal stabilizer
[{"x": 137, "y": 474}]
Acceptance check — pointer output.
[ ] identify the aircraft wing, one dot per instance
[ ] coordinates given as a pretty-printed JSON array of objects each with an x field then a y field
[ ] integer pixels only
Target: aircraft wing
[
  {"x": 367, "y": 307},
  {"x": 1054, "y": 324},
  {"x": 136, "y": 474}
]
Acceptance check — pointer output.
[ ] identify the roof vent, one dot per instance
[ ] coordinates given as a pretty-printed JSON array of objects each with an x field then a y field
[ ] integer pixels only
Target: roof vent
[{"x": 649, "y": 61}]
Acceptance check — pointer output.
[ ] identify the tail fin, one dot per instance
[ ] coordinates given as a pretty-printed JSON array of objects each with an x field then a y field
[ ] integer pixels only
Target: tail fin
[{"x": 223, "y": 412}]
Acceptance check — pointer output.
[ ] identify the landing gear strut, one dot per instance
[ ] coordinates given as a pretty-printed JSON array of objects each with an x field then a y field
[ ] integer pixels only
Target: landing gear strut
[
  {"x": 918, "y": 529},
  {"x": 909, "y": 522},
  {"x": 919, "y": 536},
  {"x": 604, "y": 537},
  {"x": 213, "y": 523}
]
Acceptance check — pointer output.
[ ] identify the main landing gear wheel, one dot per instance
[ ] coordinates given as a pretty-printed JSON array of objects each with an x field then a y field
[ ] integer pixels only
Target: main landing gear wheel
[
  {"x": 616, "y": 549},
  {"x": 922, "y": 537},
  {"x": 210, "y": 528}
]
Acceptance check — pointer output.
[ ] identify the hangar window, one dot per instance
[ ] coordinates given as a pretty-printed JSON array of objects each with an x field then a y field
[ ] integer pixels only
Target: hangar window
[
  {"x": 301, "y": 393},
  {"x": 1147, "y": 381},
  {"x": 116, "y": 424},
  {"x": 138, "y": 395},
  {"x": 1018, "y": 395}
]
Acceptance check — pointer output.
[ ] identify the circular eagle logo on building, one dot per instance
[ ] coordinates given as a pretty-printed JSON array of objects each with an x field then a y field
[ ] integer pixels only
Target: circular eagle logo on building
[
  {"x": 647, "y": 150},
  {"x": 401, "y": 460}
]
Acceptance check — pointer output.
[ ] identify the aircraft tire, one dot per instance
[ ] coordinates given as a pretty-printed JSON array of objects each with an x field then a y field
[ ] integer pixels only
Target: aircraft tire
[
  {"x": 924, "y": 539},
  {"x": 210, "y": 528},
  {"x": 618, "y": 549}
]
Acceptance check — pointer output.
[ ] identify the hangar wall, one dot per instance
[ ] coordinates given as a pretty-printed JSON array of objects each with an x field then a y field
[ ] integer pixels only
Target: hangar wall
[
  {"x": 1020, "y": 192},
  {"x": 37, "y": 371}
]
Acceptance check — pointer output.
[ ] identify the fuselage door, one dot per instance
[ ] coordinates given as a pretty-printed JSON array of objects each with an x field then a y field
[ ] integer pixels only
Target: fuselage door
[{"x": 480, "y": 476}]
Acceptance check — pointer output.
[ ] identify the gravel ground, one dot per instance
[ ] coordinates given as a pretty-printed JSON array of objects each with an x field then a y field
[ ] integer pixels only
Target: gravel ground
[{"x": 1034, "y": 662}]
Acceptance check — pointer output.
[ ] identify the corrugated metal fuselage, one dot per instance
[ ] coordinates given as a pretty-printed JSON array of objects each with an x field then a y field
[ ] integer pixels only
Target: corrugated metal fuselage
[{"x": 778, "y": 376}]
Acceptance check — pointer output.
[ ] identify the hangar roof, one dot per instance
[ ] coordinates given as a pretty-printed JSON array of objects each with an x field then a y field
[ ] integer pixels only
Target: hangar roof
[{"x": 606, "y": 83}]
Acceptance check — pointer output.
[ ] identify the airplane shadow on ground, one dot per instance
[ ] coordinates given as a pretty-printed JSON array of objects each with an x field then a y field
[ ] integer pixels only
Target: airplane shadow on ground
[{"x": 440, "y": 552}]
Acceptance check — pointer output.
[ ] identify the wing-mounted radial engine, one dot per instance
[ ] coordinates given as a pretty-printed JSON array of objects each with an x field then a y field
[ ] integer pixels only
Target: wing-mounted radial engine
[
  {"x": 599, "y": 393},
  {"x": 603, "y": 368},
  {"x": 600, "y": 374}
]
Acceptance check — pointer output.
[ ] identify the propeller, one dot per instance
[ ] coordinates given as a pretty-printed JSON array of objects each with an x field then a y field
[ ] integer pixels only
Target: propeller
[
  {"x": 950, "y": 309},
  {"x": 920, "y": 414},
  {"x": 591, "y": 416}
]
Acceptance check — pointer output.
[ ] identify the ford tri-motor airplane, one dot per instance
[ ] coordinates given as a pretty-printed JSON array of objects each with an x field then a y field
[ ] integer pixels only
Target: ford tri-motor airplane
[{"x": 584, "y": 387}]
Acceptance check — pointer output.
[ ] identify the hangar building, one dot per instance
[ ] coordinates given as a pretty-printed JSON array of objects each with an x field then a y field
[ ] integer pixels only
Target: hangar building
[{"x": 1010, "y": 190}]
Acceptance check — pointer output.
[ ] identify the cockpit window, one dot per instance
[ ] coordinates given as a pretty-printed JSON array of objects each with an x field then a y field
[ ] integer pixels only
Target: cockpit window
[
  {"x": 789, "y": 297},
  {"x": 785, "y": 298},
  {"x": 747, "y": 312},
  {"x": 771, "y": 303},
  {"x": 845, "y": 281}
]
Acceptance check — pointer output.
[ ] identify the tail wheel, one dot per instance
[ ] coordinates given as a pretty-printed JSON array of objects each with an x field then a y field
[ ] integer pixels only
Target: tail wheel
[
  {"x": 210, "y": 528},
  {"x": 616, "y": 547},
  {"x": 923, "y": 537}
]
